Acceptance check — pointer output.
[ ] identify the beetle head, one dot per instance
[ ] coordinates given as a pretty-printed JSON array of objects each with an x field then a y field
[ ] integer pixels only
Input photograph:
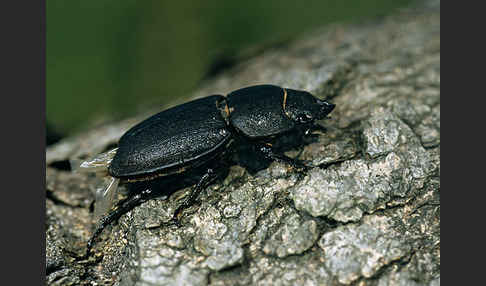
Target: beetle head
[{"x": 303, "y": 107}]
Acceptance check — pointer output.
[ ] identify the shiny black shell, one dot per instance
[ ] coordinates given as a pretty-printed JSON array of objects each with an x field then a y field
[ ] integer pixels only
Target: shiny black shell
[
  {"x": 193, "y": 133},
  {"x": 169, "y": 141},
  {"x": 257, "y": 111}
]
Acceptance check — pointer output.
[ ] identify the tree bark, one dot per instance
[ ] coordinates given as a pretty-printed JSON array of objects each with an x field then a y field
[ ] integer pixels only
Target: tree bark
[{"x": 369, "y": 214}]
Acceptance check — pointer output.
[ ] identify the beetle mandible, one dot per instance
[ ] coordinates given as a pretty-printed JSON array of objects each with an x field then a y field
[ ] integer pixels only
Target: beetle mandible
[{"x": 194, "y": 133}]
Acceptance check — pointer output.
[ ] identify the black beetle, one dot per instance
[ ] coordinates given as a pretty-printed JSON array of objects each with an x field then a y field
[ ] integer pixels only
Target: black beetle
[{"x": 194, "y": 133}]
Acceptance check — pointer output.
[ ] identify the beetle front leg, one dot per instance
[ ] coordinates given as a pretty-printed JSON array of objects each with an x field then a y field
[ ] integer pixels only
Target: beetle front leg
[
  {"x": 269, "y": 153},
  {"x": 315, "y": 127}
]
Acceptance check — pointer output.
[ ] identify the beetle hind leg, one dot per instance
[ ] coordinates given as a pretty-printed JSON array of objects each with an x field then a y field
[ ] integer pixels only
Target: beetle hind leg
[{"x": 106, "y": 220}]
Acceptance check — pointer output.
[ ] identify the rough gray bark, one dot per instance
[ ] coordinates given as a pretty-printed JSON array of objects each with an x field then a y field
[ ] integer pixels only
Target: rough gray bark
[{"x": 368, "y": 215}]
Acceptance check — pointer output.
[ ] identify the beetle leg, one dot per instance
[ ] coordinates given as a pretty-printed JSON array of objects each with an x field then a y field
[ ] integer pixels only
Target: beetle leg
[
  {"x": 115, "y": 214},
  {"x": 205, "y": 180},
  {"x": 318, "y": 127},
  {"x": 269, "y": 153},
  {"x": 314, "y": 127}
]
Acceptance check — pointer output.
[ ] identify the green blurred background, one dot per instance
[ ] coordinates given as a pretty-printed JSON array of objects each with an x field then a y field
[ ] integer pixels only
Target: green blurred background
[{"x": 110, "y": 58}]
